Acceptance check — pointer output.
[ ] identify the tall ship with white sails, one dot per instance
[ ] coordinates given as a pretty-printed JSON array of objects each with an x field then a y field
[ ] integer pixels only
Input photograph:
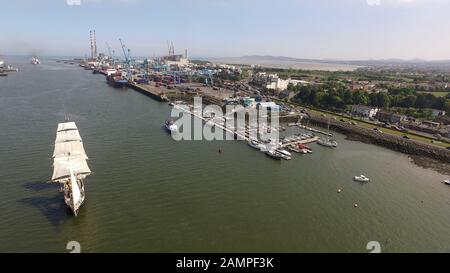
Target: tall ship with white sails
[{"x": 70, "y": 166}]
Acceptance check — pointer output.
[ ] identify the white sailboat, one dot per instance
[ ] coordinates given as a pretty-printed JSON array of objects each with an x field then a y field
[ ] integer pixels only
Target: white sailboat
[
  {"x": 328, "y": 142},
  {"x": 69, "y": 165}
]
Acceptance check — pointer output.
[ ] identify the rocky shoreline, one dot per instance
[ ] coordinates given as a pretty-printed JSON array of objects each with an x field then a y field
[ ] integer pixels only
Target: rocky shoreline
[{"x": 421, "y": 154}]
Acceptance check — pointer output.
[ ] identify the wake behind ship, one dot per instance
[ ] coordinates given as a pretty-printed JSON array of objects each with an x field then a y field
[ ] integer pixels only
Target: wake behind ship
[{"x": 70, "y": 165}]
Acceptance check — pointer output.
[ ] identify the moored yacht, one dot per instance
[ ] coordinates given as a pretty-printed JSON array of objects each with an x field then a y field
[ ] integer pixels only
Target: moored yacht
[
  {"x": 254, "y": 144},
  {"x": 284, "y": 153},
  {"x": 327, "y": 142},
  {"x": 273, "y": 154}
]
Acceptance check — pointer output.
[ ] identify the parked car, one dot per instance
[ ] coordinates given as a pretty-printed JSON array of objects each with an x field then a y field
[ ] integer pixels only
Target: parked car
[{"x": 406, "y": 137}]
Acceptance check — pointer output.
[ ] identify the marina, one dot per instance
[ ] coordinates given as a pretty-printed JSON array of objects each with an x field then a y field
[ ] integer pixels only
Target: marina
[{"x": 270, "y": 149}]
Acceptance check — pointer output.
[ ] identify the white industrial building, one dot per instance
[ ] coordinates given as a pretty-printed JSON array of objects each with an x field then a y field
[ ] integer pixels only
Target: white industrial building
[
  {"x": 274, "y": 82},
  {"x": 175, "y": 60}
]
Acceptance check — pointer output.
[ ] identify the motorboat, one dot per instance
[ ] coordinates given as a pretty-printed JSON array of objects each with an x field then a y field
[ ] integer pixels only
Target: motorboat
[
  {"x": 284, "y": 152},
  {"x": 170, "y": 126},
  {"x": 446, "y": 182},
  {"x": 361, "y": 178},
  {"x": 273, "y": 154},
  {"x": 254, "y": 144}
]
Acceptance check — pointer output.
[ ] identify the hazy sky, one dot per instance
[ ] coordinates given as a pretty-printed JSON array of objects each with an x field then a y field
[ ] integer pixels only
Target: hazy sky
[{"x": 320, "y": 29}]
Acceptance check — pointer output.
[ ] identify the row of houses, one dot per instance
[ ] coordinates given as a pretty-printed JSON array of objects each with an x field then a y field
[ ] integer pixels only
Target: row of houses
[
  {"x": 370, "y": 112},
  {"x": 430, "y": 127},
  {"x": 373, "y": 112}
]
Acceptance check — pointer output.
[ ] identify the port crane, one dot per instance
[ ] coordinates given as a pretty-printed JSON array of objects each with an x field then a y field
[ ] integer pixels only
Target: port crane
[
  {"x": 128, "y": 59},
  {"x": 126, "y": 52},
  {"x": 112, "y": 53},
  {"x": 171, "y": 48}
]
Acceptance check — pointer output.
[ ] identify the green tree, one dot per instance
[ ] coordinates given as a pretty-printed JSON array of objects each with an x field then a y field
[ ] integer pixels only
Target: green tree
[
  {"x": 360, "y": 98},
  {"x": 348, "y": 97},
  {"x": 408, "y": 101},
  {"x": 384, "y": 100},
  {"x": 447, "y": 107}
]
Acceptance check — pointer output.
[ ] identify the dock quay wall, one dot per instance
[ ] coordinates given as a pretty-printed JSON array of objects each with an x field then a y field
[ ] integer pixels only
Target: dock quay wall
[
  {"x": 146, "y": 91},
  {"x": 393, "y": 142}
]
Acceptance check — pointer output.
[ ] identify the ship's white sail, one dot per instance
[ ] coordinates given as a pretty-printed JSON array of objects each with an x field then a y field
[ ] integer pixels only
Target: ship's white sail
[
  {"x": 69, "y": 148},
  {"x": 62, "y": 166},
  {"x": 65, "y": 136},
  {"x": 76, "y": 194},
  {"x": 69, "y": 154},
  {"x": 65, "y": 126}
]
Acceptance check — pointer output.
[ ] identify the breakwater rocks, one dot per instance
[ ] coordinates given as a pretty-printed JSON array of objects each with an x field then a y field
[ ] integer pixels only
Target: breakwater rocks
[{"x": 393, "y": 142}]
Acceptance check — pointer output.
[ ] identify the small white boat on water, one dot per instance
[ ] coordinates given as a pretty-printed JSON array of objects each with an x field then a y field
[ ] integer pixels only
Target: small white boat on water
[
  {"x": 273, "y": 154},
  {"x": 361, "y": 178},
  {"x": 284, "y": 152},
  {"x": 170, "y": 126},
  {"x": 263, "y": 148},
  {"x": 254, "y": 144},
  {"x": 446, "y": 182}
]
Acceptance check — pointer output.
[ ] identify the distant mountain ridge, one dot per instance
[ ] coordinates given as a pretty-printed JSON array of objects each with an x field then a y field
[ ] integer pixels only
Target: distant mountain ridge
[{"x": 327, "y": 64}]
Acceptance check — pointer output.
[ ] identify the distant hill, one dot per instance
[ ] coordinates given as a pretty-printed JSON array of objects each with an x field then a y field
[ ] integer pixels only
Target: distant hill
[
  {"x": 330, "y": 65},
  {"x": 287, "y": 62}
]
